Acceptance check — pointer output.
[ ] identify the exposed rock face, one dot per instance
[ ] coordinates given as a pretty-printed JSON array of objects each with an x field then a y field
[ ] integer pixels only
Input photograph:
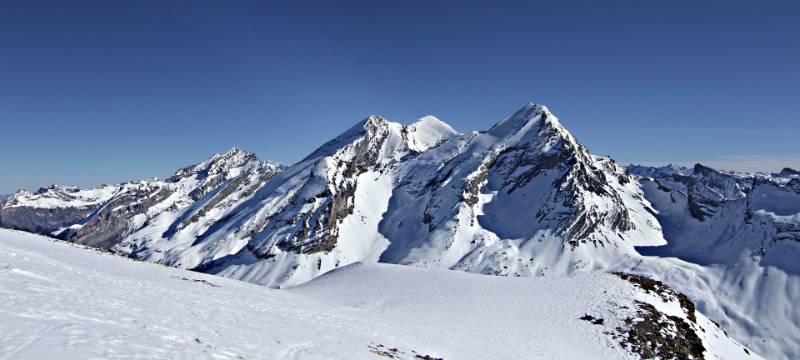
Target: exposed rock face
[
  {"x": 652, "y": 334},
  {"x": 41, "y": 220},
  {"x": 113, "y": 221},
  {"x": 709, "y": 189},
  {"x": 310, "y": 224}
]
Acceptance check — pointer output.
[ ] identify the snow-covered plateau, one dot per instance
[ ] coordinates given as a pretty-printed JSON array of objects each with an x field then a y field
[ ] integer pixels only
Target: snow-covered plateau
[
  {"x": 524, "y": 201},
  {"x": 65, "y": 301}
]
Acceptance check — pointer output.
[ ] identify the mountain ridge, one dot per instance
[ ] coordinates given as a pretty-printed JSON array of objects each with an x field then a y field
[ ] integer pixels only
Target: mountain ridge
[{"x": 523, "y": 198}]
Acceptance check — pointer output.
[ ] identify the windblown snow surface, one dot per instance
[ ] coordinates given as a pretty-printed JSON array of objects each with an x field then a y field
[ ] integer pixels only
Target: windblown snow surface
[{"x": 65, "y": 301}]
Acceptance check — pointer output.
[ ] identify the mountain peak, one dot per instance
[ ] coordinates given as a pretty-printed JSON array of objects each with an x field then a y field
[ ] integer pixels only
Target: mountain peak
[
  {"x": 234, "y": 151},
  {"x": 370, "y": 122},
  {"x": 368, "y": 125},
  {"x": 373, "y": 120},
  {"x": 233, "y": 157},
  {"x": 531, "y": 108},
  {"x": 523, "y": 119},
  {"x": 788, "y": 172},
  {"x": 235, "y": 154},
  {"x": 535, "y": 125},
  {"x": 430, "y": 120},
  {"x": 700, "y": 169},
  {"x": 427, "y": 132},
  {"x": 217, "y": 163}
]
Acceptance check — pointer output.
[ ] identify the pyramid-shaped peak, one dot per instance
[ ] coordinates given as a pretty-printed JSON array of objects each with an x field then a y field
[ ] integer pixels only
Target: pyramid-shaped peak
[
  {"x": 370, "y": 124},
  {"x": 233, "y": 152},
  {"x": 233, "y": 157},
  {"x": 372, "y": 121},
  {"x": 788, "y": 172},
  {"x": 530, "y": 111},
  {"x": 530, "y": 122},
  {"x": 700, "y": 169}
]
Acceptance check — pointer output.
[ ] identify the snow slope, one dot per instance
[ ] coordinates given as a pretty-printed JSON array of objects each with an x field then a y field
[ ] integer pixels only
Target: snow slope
[{"x": 66, "y": 301}]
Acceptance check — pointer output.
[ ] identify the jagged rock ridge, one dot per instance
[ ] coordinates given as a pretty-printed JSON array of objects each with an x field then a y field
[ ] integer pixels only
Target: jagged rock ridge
[{"x": 521, "y": 198}]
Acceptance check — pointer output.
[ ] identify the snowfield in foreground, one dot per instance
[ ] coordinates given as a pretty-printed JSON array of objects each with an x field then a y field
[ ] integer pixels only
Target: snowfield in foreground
[{"x": 62, "y": 300}]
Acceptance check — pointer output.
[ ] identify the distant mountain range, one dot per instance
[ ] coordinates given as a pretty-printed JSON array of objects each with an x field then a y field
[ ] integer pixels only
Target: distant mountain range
[{"x": 523, "y": 198}]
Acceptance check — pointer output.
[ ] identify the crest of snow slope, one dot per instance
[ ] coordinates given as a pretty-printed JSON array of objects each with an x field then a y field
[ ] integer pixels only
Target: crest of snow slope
[
  {"x": 737, "y": 236},
  {"x": 522, "y": 198},
  {"x": 65, "y": 301}
]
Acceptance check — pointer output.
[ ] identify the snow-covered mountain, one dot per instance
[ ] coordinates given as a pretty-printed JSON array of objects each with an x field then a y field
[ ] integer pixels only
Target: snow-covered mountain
[
  {"x": 523, "y": 198},
  {"x": 62, "y": 301}
]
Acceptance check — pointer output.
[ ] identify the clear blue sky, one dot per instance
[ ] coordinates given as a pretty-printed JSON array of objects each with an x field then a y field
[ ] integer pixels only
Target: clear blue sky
[{"x": 106, "y": 91}]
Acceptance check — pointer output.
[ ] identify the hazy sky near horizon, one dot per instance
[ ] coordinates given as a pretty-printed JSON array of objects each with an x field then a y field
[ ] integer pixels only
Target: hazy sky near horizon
[{"x": 105, "y": 91}]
